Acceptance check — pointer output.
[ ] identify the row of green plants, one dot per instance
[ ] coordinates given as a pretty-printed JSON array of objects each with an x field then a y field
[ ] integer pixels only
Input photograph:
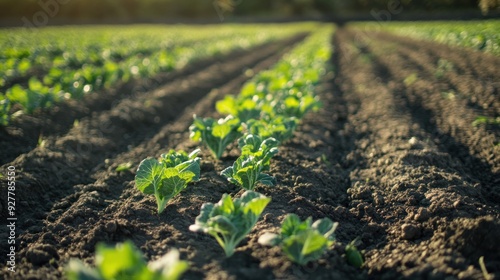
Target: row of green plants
[
  {"x": 260, "y": 119},
  {"x": 479, "y": 35},
  {"x": 57, "y": 75}
]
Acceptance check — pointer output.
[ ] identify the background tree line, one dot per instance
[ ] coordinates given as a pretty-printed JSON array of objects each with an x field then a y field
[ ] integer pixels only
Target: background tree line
[{"x": 210, "y": 9}]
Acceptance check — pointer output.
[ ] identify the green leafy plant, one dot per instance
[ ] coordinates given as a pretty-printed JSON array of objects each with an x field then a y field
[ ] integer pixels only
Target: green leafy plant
[
  {"x": 261, "y": 149},
  {"x": 167, "y": 177},
  {"x": 298, "y": 105},
  {"x": 124, "y": 166},
  {"x": 125, "y": 261},
  {"x": 486, "y": 121},
  {"x": 246, "y": 172},
  {"x": 352, "y": 254},
  {"x": 216, "y": 135},
  {"x": 302, "y": 241},
  {"x": 244, "y": 108},
  {"x": 410, "y": 79},
  {"x": 280, "y": 128},
  {"x": 4, "y": 111},
  {"x": 229, "y": 221},
  {"x": 443, "y": 66}
]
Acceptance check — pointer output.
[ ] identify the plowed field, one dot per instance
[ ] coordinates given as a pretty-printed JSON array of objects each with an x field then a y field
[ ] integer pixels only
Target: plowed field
[{"x": 392, "y": 156}]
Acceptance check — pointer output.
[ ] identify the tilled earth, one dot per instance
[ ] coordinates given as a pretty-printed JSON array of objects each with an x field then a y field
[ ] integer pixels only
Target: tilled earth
[{"x": 392, "y": 156}]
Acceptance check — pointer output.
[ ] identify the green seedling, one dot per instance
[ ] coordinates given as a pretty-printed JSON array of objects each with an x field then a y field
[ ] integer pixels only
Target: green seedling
[
  {"x": 216, "y": 135},
  {"x": 229, "y": 221},
  {"x": 125, "y": 261},
  {"x": 352, "y": 254},
  {"x": 259, "y": 148},
  {"x": 244, "y": 108},
  {"x": 298, "y": 105},
  {"x": 280, "y": 128},
  {"x": 483, "y": 120},
  {"x": 410, "y": 80},
  {"x": 443, "y": 66},
  {"x": 124, "y": 166},
  {"x": 246, "y": 172},
  {"x": 4, "y": 111},
  {"x": 302, "y": 241},
  {"x": 167, "y": 177}
]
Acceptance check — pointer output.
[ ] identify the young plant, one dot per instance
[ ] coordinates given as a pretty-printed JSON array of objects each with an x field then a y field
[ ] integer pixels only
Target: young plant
[
  {"x": 216, "y": 135},
  {"x": 245, "y": 108},
  {"x": 229, "y": 221},
  {"x": 167, "y": 177},
  {"x": 297, "y": 105},
  {"x": 4, "y": 111},
  {"x": 247, "y": 171},
  {"x": 125, "y": 261},
  {"x": 302, "y": 241},
  {"x": 352, "y": 254},
  {"x": 259, "y": 148},
  {"x": 486, "y": 121},
  {"x": 280, "y": 128}
]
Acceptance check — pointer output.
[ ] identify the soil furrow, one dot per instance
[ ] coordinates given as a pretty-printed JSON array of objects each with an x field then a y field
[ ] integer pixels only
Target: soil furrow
[
  {"x": 480, "y": 93},
  {"x": 416, "y": 197},
  {"x": 83, "y": 218},
  {"x": 474, "y": 147},
  {"x": 389, "y": 159},
  {"x": 24, "y": 133},
  {"x": 49, "y": 173}
]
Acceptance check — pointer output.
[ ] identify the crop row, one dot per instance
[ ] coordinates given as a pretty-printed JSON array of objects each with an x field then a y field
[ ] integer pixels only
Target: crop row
[
  {"x": 478, "y": 35},
  {"x": 57, "y": 75},
  {"x": 262, "y": 117}
]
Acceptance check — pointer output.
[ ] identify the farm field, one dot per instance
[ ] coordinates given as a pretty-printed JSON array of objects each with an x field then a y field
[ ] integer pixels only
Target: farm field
[
  {"x": 477, "y": 35},
  {"x": 404, "y": 153}
]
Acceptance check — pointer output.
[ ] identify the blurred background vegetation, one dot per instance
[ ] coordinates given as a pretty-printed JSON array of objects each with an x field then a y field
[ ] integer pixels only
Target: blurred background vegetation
[{"x": 172, "y": 10}]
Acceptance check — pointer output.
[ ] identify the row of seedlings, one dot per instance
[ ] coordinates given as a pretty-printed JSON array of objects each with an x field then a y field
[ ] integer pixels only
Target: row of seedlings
[
  {"x": 66, "y": 81},
  {"x": 263, "y": 116}
]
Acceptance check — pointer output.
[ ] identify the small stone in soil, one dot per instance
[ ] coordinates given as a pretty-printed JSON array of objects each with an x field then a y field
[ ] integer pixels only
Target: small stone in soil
[{"x": 410, "y": 232}]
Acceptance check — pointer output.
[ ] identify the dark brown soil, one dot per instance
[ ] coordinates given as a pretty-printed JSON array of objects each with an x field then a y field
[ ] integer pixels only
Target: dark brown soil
[{"x": 395, "y": 160}]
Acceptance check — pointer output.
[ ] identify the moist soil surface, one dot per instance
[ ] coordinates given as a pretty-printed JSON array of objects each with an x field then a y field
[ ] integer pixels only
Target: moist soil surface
[{"x": 392, "y": 156}]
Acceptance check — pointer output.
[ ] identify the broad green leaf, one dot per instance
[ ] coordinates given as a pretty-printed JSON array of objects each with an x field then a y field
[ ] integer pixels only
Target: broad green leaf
[
  {"x": 325, "y": 226},
  {"x": 226, "y": 204},
  {"x": 169, "y": 266},
  {"x": 291, "y": 225},
  {"x": 257, "y": 205},
  {"x": 314, "y": 242},
  {"x": 174, "y": 181},
  {"x": 120, "y": 260},
  {"x": 227, "y": 106},
  {"x": 292, "y": 247},
  {"x": 149, "y": 175}
]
